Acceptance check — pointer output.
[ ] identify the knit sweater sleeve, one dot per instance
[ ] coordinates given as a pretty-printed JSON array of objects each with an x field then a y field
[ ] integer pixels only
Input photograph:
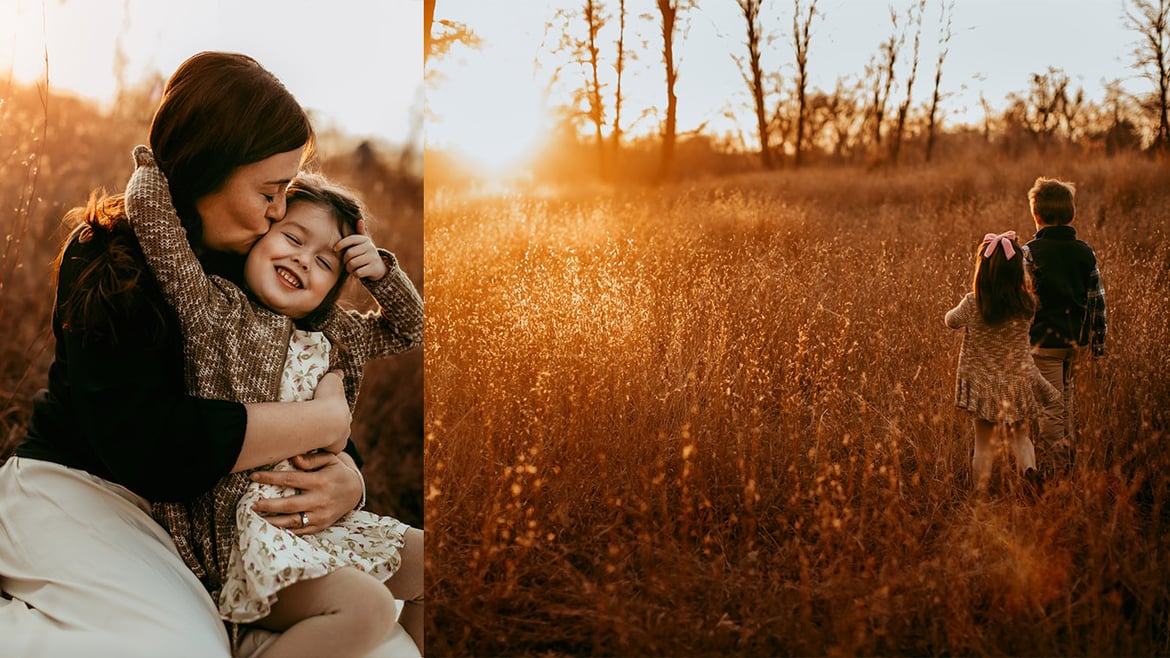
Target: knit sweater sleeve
[
  {"x": 199, "y": 300},
  {"x": 959, "y": 316},
  {"x": 396, "y": 326}
]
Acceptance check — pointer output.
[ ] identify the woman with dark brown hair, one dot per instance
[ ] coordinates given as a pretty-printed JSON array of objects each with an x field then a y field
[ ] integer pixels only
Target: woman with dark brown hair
[{"x": 84, "y": 569}]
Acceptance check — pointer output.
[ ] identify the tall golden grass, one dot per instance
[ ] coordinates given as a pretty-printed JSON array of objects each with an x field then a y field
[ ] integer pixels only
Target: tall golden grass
[
  {"x": 716, "y": 418},
  {"x": 55, "y": 150}
]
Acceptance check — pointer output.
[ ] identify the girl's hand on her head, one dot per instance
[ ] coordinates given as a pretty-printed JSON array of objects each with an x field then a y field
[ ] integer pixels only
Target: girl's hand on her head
[
  {"x": 361, "y": 256},
  {"x": 330, "y": 394},
  {"x": 327, "y": 490}
]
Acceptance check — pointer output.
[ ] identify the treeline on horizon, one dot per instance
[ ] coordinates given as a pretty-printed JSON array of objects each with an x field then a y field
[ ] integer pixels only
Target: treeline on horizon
[{"x": 868, "y": 119}]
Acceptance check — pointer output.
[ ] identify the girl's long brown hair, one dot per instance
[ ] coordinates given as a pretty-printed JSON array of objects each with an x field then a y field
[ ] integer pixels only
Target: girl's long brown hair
[
  {"x": 1002, "y": 292},
  {"x": 219, "y": 111}
]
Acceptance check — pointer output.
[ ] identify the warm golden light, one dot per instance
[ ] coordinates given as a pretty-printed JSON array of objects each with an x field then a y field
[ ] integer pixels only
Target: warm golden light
[
  {"x": 489, "y": 114},
  {"x": 486, "y": 105}
]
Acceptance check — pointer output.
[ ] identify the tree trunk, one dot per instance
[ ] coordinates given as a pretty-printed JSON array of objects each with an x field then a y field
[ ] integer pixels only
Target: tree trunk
[
  {"x": 801, "y": 33},
  {"x": 944, "y": 39},
  {"x": 669, "y": 11},
  {"x": 593, "y": 23},
  {"x": 428, "y": 18},
  {"x": 619, "y": 67},
  {"x": 904, "y": 108},
  {"x": 751, "y": 15}
]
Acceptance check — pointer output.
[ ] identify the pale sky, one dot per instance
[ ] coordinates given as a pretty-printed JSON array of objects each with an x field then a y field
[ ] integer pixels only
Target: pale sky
[
  {"x": 355, "y": 63},
  {"x": 996, "y": 46}
]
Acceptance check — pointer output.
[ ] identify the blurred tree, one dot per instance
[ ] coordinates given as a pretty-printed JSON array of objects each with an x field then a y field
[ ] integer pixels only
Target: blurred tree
[
  {"x": 440, "y": 36},
  {"x": 669, "y": 11},
  {"x": 1149, "y": 18},
  {"x": 1044, "y": 110},
  {"x": 753, "y": 76},
  {"x": 578, "y": 28},
  {"x": 913, "y": 17},
  {"x": 801, "y": 33},
  {"x": 845, "y": 118},
  {"x": 428, "y": 18},
  {"x": 881, "y": 70},
  {"x": 619, "y": 66},
  {"x": 594, "y": 20},
  {"x": 946, "y": 12},
  {"x": 987, "y": 118},
  {"x": 1117, "y": 130}
]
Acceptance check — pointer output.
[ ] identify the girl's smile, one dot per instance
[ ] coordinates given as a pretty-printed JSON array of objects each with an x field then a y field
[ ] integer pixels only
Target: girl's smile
[
  {"x": 290, "y": 278},
  {"x": 293, "y": 267}
]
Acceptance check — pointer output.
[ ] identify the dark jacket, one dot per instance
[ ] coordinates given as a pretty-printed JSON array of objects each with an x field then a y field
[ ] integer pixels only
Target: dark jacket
[
  {"x": 116, "y": 407},
  {"x": 1067, "y": 282}
]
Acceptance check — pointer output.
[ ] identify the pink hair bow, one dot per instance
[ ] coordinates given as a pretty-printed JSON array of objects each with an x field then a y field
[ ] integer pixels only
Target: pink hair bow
[{"x": 1005, "y": 239}]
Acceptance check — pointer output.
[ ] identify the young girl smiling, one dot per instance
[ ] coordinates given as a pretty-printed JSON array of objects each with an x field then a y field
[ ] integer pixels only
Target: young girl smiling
[{"x": 276, "y": 339}]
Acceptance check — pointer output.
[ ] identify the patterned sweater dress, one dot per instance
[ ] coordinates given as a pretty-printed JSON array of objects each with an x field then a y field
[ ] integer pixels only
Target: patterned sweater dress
[
  {"x": 997, "y": 379},
  {"x": 237, "y": 350},
  {"x": 266, "y": 559}
]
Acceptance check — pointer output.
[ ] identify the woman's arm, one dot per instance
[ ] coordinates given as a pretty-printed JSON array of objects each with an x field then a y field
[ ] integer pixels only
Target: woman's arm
[{"x": 280, "y": 430}]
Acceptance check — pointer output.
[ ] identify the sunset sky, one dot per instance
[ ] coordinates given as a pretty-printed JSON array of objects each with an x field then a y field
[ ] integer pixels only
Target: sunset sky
[
  {"x": 493, "y": 104},
  {"x": 356, "y": 64}
]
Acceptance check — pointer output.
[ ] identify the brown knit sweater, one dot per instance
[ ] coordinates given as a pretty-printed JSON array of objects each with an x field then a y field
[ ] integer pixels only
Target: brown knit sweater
[
  {"x": 235, "y": 350},
  {"x": 996, "y": 379}
]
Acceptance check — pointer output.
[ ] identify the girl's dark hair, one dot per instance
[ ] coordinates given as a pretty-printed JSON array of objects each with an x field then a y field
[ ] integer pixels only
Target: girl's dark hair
[
  {"x": 1001, "y": 290},
  {"x": 347, "y": 210},
  {"x": 219, "y": 111}
]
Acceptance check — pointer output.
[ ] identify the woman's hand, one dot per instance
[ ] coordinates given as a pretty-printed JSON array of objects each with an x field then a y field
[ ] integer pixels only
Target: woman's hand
[{"x": 328, "y": 490}]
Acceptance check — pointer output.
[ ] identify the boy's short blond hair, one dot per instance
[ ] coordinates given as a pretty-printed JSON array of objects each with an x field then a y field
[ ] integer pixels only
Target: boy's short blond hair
[{"x": 1052, "y": 201}]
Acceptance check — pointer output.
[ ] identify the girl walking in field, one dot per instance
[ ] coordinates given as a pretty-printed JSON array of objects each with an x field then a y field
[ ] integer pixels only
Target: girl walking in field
[
  {"x": 320, "y": 584},
  {"x": 997, "y": 381}
]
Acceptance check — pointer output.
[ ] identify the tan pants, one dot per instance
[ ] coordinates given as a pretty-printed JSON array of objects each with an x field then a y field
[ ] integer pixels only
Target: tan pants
[
  {"x": 85, "y": 571},
  {"x": 1056, "y": 440}
]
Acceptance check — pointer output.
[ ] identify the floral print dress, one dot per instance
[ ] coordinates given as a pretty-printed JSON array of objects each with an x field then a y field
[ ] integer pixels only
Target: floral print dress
[{"x": 266, "y": 559}]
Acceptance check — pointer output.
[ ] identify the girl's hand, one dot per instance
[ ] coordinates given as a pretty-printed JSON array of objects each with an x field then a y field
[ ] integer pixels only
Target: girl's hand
[
  {"x": 360, "y": 255},
  {"x": 328, "y": 489}
]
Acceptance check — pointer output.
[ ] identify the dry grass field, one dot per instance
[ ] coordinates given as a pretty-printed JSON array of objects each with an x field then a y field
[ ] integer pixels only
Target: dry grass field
[
  {"x": 52, "y": 155},
  {"x": 716, "y": 418}
]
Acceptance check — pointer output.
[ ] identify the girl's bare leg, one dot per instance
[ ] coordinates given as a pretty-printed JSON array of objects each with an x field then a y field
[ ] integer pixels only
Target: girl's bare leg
[
  {"x": 981, "y": 462},
  {"x": 407, "y": 586},
  {"x": 1022, "y": 446},
  {"x": 344, "y": 613}
]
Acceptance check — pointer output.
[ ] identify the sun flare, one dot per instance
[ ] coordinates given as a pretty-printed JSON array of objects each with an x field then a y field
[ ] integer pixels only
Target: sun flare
[
  {"x": 487, "y": 114},
  {"x": 491, "y": 106}
]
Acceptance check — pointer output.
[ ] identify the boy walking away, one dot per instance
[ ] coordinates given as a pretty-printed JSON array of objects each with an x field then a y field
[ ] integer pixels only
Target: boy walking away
[{"x": 1070, "y": 314}]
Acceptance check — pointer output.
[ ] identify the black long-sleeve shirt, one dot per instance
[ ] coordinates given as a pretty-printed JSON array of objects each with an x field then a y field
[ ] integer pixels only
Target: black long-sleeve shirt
[{"x": 115, "y": 404}]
